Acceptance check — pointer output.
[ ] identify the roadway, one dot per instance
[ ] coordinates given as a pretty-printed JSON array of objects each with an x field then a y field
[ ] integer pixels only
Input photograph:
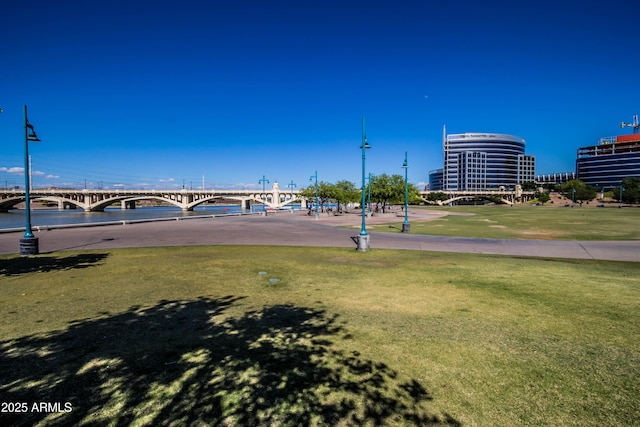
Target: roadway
[{"x": 298, "y": 229}]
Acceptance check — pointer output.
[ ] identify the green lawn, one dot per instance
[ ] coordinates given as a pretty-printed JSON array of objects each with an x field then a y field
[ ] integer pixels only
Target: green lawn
[
  {"x": 197, "y": 335},
  {"x": 528, "y": 222}
]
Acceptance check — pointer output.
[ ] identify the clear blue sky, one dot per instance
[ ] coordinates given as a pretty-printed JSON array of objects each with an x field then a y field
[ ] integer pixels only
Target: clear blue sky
[{"x": 157, "y": 93}]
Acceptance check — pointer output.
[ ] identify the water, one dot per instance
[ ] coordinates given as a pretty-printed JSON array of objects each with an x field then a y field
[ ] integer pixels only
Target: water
[{"x": 43, "y": 217}]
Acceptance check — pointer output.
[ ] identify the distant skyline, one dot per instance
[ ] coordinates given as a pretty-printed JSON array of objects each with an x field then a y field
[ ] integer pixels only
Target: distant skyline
[{"x": 161, "y": 94}]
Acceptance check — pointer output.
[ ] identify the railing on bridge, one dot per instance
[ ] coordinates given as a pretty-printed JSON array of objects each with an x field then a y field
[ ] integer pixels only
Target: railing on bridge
[{"x": 98, "y": 200}]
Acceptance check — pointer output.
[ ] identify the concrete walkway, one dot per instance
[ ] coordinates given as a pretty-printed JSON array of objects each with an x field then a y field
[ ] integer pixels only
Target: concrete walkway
[{"x": 299, "y": 229}]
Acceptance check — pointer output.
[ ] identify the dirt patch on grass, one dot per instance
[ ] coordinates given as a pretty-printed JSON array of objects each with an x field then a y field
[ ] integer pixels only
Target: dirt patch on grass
[
  {"x": 346, "y": 260},
  {"x": 542, "y": 234}
]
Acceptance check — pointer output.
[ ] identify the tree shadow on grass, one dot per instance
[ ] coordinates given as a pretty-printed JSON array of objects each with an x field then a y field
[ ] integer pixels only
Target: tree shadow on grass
[
  {"x": 23, "y": 265},
  {"x": 187, "y": 363}
]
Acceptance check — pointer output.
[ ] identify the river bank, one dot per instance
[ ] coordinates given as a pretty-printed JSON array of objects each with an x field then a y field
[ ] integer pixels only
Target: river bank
[
  {"x": 299, "y": 229},
  {"x": 48, "y": 218}
]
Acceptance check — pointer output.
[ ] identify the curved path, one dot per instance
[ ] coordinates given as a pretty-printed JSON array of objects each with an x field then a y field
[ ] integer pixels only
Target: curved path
[{"x": 298, "y": 229}]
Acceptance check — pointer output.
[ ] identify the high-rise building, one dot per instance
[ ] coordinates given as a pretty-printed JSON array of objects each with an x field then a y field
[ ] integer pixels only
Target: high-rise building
[{"x": 482, "y": 161}]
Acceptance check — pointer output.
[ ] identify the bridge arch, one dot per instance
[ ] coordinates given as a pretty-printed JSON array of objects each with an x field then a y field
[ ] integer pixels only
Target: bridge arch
[
  {"x": 58, "y": 200},
  {"x": 502, "y": 200},
  {"x": 192, "y": 205},
  {"x": 133, "y": 199},
  {"x": 8, "y": 203}
]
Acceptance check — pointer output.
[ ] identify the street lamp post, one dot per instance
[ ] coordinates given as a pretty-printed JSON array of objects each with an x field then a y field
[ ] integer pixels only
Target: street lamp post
[
  {"x": 363, "y": 240},
  {"x": 29, "y": 243},
  {"x": 405, "y": 226},
  {"x": 315, "y": 216},
  {"x": 292, "y": 186},
  {"x": 264, "y": 181},
  {"x": 369, "y": 196},
  {"x": 621, "y": 190}
]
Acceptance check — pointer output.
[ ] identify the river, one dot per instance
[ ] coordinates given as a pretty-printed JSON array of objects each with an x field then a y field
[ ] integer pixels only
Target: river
[{"x": 51, "y": 217}]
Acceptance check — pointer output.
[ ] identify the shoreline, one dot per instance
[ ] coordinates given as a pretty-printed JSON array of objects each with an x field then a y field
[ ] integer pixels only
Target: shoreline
[
  {"x": 118, "y": 222},
  {"x": 297, "y": 229}
]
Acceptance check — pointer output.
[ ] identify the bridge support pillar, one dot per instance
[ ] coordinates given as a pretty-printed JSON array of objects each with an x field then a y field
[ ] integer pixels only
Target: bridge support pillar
[
  {"x": 127, "y": 204},
  {"x": 246, "y": 204}
]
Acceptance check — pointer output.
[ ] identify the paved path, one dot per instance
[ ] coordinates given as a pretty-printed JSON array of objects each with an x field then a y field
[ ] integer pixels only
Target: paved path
[{"x": 298, "y": 229}]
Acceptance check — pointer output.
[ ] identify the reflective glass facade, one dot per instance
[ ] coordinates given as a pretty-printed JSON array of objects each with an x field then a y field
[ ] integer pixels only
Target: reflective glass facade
[
  {"x": 436, "y": 182},
  {"x": 485, "y": 161},
  {"x": 605, "y": 165}
]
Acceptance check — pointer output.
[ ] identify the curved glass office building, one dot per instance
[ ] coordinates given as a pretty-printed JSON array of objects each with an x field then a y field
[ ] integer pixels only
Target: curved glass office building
[{"x": 485, "y": 161}]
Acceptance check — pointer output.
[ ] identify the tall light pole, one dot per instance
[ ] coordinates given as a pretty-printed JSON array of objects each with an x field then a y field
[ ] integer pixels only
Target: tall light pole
[
  {"x": 405, "y": 226},
  {"x": 371, "y": 178},
  {"x": 369, "y": 196},
  {"x": 292, "y": 186},
  {"x": 28, "y": 244},
  {"x": 621, "y": 190},
  {"x": 363, "y": 240},
  {"x": 315, "y": 216},
  {"x": 264, "y": 181}
]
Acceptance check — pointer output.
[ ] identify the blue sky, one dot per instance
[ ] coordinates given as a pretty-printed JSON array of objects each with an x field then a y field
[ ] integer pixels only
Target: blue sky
[{"x": 158, "y": 94}]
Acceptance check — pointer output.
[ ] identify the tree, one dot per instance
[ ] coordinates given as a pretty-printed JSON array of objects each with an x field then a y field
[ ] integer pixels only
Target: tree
[
  {"x": 543, "y": 197},
  {"x": 325, "y": 193},
  {"x": 309, "y": 193},
  {"x": 437, "y": 196},
  {"x": 415, "y": 198},
  {"x": 582, "y": 193},
  {"x": 345, "y": 192},
  {"x": 630, "y": 190},
  {"x": 387, "y": 189},
  {"x": 529, "y": 186}
]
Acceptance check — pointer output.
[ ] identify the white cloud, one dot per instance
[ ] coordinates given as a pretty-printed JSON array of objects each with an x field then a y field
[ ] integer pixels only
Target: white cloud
[
  {"x": 20, "y": 171},
  {"x": 15, "y": 169}
]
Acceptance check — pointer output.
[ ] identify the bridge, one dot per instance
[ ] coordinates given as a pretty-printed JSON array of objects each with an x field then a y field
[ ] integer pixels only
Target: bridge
[
  {"x": 508, "y": 197},
  {"x": 187, "y": 200}
]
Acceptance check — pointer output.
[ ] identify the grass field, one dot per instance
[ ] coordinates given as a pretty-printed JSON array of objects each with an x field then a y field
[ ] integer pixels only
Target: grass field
[
  {"x": 319, "y": 336},
  {"x": 527, "y": 222}
]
